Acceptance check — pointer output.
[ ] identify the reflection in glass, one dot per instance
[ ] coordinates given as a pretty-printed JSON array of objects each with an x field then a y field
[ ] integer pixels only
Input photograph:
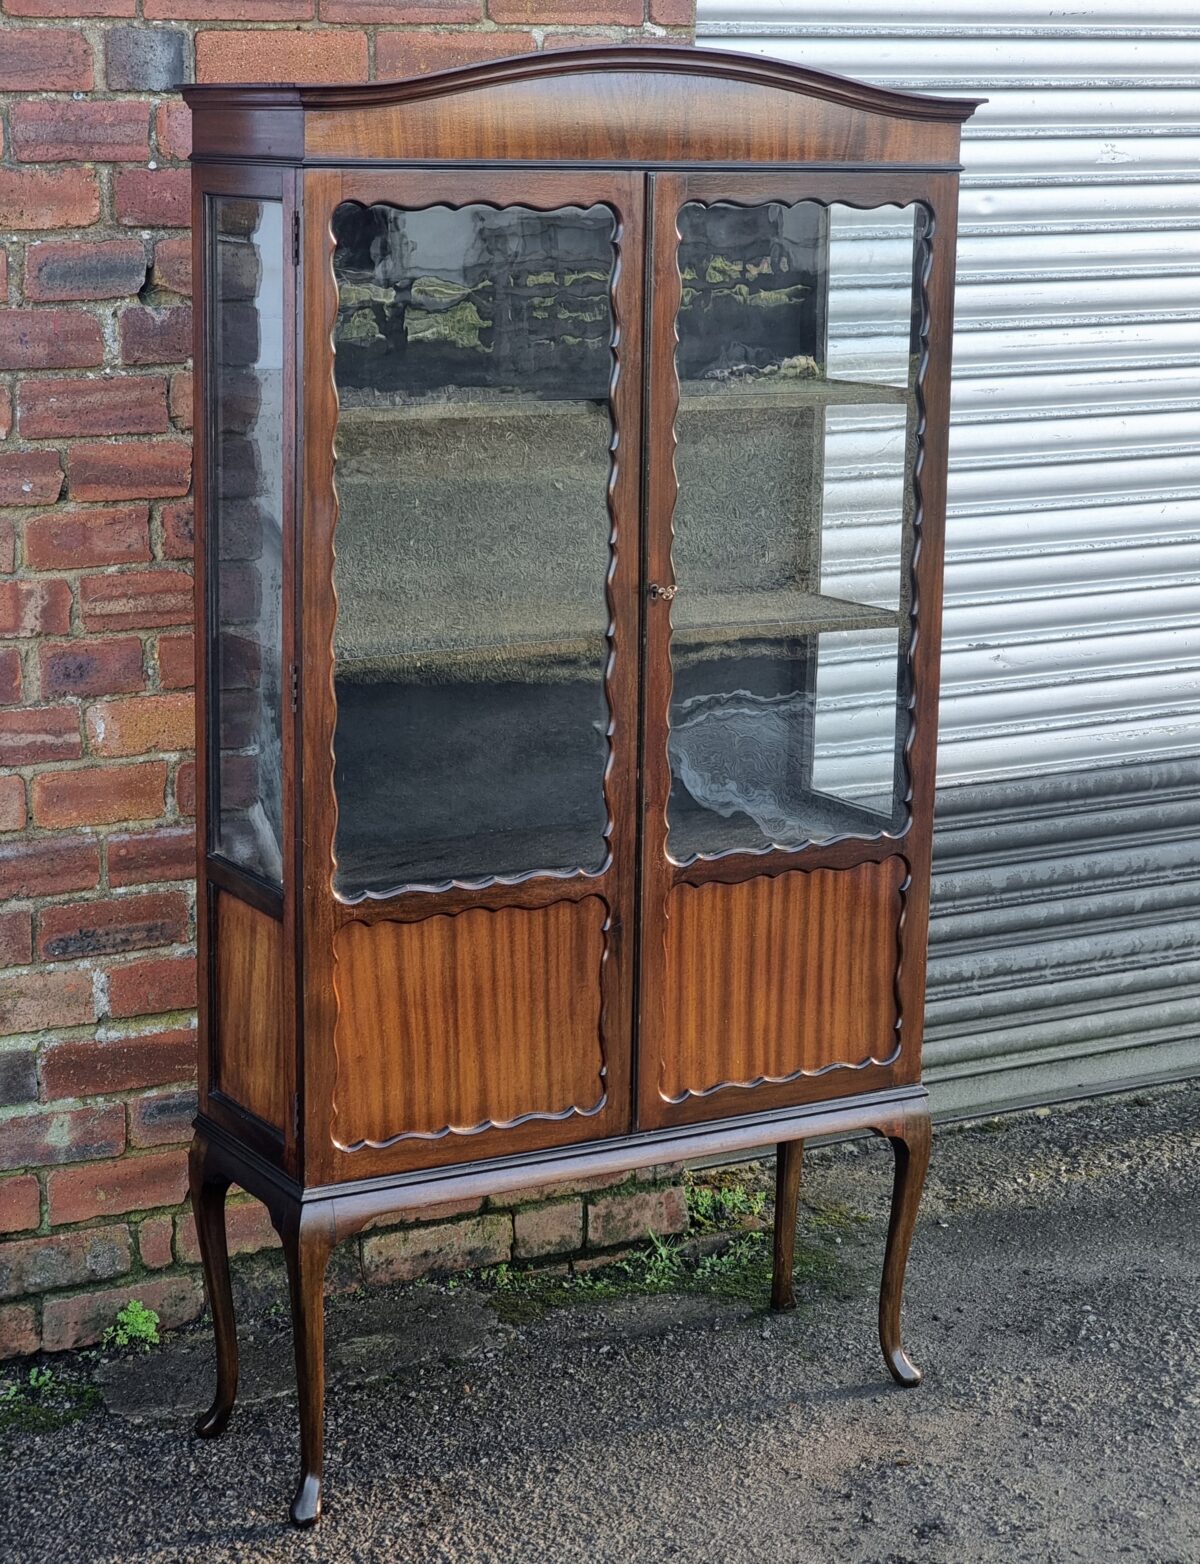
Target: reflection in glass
[
  {"x": 797, "y": 359},
  {"x": 473, "y": 361},
  {"x": 245, "y": 510}
]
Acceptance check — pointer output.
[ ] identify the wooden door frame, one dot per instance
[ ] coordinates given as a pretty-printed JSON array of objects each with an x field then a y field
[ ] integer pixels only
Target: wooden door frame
[
  {"x": 667, "y": 192},
  {"x": 325, "y": 911}
]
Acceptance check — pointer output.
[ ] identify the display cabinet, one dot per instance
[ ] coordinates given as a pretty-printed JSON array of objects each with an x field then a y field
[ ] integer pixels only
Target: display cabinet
[{"x": 570, "y": 493}]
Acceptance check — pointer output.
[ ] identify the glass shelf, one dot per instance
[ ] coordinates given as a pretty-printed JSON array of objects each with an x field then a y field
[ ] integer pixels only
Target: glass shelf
[
  {"x": 768, "y": 392},
  {"x": 697, "y": 831},
  {"x": 512, "y": 640},
  {"x": 740, "y": 616},
  {"x": 477, "y": 404}
]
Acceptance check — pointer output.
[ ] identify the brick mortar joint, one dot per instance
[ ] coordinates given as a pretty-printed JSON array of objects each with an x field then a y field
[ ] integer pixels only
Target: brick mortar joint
[
  {"x": 103, "y": 176},
  {"x": 82, "y": 1031},
  {"x": 243, "y": 1202}
]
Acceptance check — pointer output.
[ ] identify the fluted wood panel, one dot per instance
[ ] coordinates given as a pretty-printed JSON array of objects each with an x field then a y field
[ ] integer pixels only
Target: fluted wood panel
[
  {"x": 248, "y": 1008},
  {"x": 456, "y": 1023},
  {"x": 780, "y": 976}
]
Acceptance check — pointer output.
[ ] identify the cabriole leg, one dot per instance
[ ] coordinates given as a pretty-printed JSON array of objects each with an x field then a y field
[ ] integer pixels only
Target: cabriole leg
[
  {"x": 307, "y": 1245},
  {"x": 789, "y": 1160},
  {"x": 208, "y": 1190},
  {"x": 910, "y": 1137}
]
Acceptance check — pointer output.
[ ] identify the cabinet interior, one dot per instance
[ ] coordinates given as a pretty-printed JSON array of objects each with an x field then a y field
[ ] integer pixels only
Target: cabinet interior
[{"x": 474, "y": 355}]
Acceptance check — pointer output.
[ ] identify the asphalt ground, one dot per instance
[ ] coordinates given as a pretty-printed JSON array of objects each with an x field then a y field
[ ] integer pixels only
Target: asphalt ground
[{"x": 1053, "y": 1300}]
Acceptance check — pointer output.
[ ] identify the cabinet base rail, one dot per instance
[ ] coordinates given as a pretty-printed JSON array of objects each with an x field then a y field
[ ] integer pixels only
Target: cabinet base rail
[{"x": 311, "y": 1221}]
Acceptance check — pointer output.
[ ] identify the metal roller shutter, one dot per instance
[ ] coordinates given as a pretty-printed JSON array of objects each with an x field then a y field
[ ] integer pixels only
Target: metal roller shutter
[{"x": 1065, "y": 942}]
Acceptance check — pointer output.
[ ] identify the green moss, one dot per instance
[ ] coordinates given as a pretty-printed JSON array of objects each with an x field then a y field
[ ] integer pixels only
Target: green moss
[
  {"x": 585, "y": 311},
  {"x": 740, "y": 1272},
  {"x": 43, "y": 1400},
  {"x": 836, "y": 1220},
  {"x": 571, "y": 278},
  {"x": 726, "y": 1253},
  {"x": 773, "y": 298}
]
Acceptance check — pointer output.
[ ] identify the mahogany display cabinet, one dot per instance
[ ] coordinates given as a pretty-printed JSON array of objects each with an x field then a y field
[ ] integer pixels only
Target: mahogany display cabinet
[{"x": 570, "y": 496}]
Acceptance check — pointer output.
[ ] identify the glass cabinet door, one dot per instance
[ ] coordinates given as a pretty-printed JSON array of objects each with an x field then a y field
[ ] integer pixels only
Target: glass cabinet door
[
  {"x": 245, "y": 532},
  {"x": 797, "y": 361},
  {"x": 473, "y": 355}
]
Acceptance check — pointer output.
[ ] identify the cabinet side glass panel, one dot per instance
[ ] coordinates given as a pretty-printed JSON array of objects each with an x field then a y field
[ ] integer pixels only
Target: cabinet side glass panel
[
  {"x": 798, "y": 356},
  {"x": 473, "y": 361},
  {"x": 245, "y": 532}
]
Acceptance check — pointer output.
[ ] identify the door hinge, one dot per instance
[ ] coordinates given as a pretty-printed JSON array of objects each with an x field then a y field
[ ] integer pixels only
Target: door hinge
[
  {"x": 295, "y": 1115},
  {"x": 295, "y": 238},
  {"x": 295, "y": 686}
]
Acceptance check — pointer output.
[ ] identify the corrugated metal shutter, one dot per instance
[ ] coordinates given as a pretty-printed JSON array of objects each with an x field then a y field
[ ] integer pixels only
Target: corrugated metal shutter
[{"x": 1065, "y": 944}]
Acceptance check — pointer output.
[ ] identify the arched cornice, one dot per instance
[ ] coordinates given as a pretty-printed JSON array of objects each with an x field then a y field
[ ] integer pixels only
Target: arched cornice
[{"x": 655, "y": 59}]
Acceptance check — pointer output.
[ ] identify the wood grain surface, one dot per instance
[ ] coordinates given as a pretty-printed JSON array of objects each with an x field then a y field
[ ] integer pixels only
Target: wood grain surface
[
  {"x": 646, "y": 103},
  {"x": 253, "y": 1068},
  {"x": 778, "y": 977},
  {"x": 635, "y": 116},
  {"x": 465, "y": 1022}
]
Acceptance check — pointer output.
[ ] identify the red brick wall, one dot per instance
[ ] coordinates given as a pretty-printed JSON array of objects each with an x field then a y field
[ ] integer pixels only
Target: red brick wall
[{"x": 97, "y": 910}]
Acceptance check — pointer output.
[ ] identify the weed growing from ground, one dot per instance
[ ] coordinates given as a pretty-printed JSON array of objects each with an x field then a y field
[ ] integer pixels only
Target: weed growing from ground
[
  {"x": 714, "y": 1207},
  {"x": 740, "y": 1272},
  {"x": 136, "y": 1326}
]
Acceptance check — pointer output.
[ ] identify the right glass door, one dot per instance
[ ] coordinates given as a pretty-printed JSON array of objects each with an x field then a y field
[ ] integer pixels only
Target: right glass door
[
  {"x": 797, "y": 361},
  {"x": 788, "y": 340}
]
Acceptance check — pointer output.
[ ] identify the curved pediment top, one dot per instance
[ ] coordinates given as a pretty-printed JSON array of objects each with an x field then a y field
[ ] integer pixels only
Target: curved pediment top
[{"x": 665, "y": 59}]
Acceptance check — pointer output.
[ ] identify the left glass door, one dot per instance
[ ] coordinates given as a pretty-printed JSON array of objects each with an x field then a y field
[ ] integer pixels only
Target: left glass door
[
  {"x": 476, "y": 597},
  {"x": 473, "y": 354}
]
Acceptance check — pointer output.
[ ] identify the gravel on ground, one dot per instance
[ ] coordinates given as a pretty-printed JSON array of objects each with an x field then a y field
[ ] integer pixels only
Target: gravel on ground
[{"x": 1053, "y": 1300}]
